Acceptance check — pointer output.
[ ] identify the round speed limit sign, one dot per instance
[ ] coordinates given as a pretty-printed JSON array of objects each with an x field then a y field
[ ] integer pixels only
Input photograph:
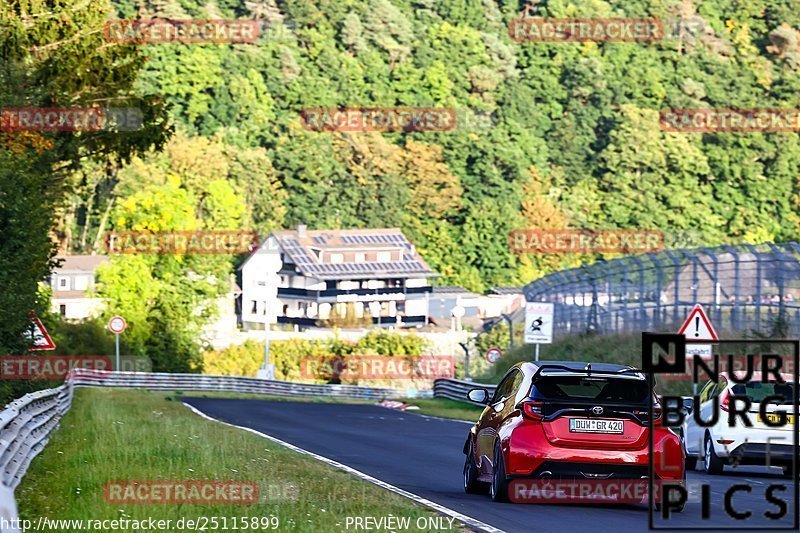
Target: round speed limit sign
[
  {"x": 493, "y": 355},
  {"x": 117, "y": 324}
]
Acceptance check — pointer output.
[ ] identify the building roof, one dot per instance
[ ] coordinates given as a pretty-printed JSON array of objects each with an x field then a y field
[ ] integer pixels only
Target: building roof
[
  {"x": 86, "y": 263},
  {"x": 454, "y": 290},
  {"x": 302, "y": 247},
  {"x": 506, "y": 290}
]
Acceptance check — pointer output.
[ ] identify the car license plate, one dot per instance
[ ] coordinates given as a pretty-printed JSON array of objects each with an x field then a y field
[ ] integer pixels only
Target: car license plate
[
  {"x": 775, "y": 419},
  {"x": 593, "y": 425}
]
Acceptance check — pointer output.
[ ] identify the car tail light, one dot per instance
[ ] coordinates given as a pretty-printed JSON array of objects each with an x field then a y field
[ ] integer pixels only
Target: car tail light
[
  {"x": 656, "y": 410},
  {"x": 725, "y": 402},
  {"x": 533, "y": 410}
]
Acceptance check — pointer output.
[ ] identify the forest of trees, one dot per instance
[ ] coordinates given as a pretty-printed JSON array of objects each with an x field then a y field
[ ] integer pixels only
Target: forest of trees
[{"x": 548, "y": 135}]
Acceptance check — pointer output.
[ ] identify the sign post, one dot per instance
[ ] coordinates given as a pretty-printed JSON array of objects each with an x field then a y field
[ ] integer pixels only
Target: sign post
[
  {"x": 269, "y": 293},
  {"x": 696, "y": 327},
  {"x": 117, "y": 325},
  {"x": 538, "y": 324},
  {"x": 493, "y": 355}
]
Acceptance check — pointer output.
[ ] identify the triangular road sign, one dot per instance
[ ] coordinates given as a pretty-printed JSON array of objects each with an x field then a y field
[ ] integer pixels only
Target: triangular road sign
[
  {"x": 697, "y": 326},
  {"x": 41, "y": 339}
]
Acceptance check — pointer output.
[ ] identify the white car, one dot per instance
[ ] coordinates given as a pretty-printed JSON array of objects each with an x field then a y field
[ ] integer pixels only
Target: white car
[{"x": 761, "y": 444}]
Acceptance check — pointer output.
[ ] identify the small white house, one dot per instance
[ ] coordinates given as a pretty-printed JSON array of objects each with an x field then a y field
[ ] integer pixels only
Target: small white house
[{"x": 73, "y": 283}]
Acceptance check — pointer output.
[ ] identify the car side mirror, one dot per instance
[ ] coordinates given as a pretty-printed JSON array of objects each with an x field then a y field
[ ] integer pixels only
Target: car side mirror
[
  {"x": 688, "y": 404},
  {"x": 478, "y": 395}
]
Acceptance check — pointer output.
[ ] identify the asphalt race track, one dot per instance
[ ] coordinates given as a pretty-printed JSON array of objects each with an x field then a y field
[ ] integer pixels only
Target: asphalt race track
[{"x": 423, "y": 455}]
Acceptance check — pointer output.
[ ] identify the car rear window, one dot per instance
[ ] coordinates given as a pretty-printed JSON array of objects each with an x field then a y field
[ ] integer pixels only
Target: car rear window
[
  {"x": 592, "y": 388},
  {"x": 756, "y": 391}
]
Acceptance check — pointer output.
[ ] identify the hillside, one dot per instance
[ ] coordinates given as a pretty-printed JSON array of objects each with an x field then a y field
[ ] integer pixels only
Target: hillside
[{"x": 548, "y": 135}]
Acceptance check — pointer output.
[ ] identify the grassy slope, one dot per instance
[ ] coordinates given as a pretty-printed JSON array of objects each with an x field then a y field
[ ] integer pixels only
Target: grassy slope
[{"x": 138, "y": 435}]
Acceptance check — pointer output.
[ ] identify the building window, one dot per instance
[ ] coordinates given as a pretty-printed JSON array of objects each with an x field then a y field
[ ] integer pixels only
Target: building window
[
  {"x": 361, "y": 257},
  {"x": 384, "y": 257},
  {"x": 63, "y": 283},
  {"x": 254, "y": 308},
  {"x": 62, "y": 309},
  {"x": 337, "y": 258},
  {"x": 81, "y": 283}
]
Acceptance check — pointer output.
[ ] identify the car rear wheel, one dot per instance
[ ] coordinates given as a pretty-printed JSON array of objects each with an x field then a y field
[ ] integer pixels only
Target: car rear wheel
[
  {"x": 471, "y": 483},
  {"x": 712, "y": 464},
  {"x": 690, "y": 463},
  {"x": 678, "y": 508},
  {"x": 499, "y": 486}
]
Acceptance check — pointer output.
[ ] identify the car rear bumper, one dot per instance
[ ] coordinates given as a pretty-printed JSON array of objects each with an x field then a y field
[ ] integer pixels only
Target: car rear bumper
[
  {"x": 753, "y": 453},
  {"x": 529, "y": 454},
  {"x": 573, "y": 470}
]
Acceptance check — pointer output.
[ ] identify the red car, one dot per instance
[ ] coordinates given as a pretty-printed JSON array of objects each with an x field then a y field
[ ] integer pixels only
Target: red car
[{"x": 569, "y": 421}]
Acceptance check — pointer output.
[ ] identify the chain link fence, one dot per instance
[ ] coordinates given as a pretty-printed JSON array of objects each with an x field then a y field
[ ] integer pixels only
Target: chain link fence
[{"x": 745, "y": 289}]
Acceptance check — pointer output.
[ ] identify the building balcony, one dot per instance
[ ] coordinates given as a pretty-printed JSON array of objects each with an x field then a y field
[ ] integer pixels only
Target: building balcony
[
  {"x": 383, "y": 322},
  {"x": 352, "y": 295}
]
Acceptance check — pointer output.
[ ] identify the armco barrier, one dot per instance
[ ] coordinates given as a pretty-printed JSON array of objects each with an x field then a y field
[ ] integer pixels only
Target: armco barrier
[
  {"x": 456, "y": 389},
  {"x": 203, "y": 383},
  {"x": 25, "y": 428}
]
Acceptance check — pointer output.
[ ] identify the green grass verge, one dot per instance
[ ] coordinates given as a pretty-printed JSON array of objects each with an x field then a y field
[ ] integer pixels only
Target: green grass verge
[
  {"x": 446, "y": 408},
  {"x": 116, "y": 435}
]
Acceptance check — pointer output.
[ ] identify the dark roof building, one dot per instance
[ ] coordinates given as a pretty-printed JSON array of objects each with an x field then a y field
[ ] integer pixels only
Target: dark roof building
[{"x": 318, "y": 277}]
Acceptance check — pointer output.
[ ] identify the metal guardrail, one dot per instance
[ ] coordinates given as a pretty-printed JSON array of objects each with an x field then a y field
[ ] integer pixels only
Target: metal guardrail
[
  {"x": 202, "y": 383},
  {"x": 26, "y": 427},
  {"x": 456, "y": 389}
]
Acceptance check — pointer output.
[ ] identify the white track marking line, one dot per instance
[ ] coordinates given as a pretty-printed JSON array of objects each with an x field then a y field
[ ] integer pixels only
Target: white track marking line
[{"x": 472, "y": 522}]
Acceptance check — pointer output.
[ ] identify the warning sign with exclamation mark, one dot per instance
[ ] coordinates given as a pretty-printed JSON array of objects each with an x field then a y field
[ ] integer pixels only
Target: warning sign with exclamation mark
[{"x": 697, "y": 327}]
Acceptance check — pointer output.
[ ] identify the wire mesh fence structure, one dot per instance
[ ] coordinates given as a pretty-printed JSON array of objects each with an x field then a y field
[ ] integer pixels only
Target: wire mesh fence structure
[{"x": 745, "y": 289}]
